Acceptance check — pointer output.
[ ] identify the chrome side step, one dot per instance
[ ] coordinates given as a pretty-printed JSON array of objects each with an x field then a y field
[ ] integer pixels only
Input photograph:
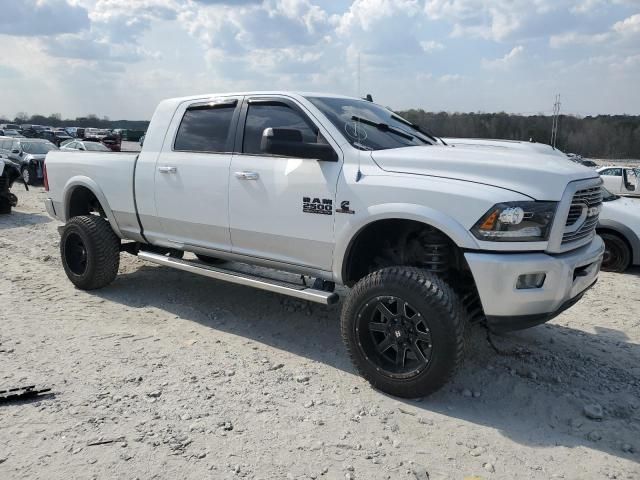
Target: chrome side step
[{"x": 277, "y": 286}]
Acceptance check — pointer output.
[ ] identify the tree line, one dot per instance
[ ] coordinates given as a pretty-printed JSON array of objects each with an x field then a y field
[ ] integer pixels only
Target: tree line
[{"x": 602, "y": 136}]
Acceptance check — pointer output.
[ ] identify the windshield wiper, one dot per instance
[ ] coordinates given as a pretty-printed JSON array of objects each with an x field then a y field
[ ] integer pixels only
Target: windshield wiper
[
  {"x": 383, "y": 126},
  {"x": 417, "y": 128}
]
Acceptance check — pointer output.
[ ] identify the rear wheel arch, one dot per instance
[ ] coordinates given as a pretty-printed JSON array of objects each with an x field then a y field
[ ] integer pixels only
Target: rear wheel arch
[{"x": 84, "y": 197}]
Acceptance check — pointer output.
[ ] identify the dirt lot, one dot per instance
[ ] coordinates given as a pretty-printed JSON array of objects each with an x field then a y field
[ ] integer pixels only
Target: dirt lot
[{"x": 186, "y": 377}]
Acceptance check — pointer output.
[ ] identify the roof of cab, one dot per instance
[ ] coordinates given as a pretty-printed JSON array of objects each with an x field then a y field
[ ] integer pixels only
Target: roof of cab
[{"x": 258, "y": 92}]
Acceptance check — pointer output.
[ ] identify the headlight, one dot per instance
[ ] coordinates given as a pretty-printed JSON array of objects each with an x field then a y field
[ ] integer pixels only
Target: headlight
[{"x": 516, "y": 222}]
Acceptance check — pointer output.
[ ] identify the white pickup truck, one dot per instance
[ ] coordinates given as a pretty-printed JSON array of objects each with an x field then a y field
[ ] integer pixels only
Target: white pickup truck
[{"x": 428, "y": 236}]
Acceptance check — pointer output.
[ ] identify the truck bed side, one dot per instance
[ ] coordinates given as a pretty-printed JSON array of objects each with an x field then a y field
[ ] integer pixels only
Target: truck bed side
[{"x": 107, "y": 176}]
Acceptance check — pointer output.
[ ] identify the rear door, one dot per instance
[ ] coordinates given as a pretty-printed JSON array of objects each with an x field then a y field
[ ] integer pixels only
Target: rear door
[
  {"x": 191, "y": 189},
  {"x": 281, "y": 208}
]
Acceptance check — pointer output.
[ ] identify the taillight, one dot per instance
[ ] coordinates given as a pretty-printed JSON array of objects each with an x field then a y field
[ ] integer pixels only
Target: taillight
[{"x": 46, "y": 180}]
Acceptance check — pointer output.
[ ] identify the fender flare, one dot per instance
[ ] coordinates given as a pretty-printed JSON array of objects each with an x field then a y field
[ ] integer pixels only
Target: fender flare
[
  {"x": 83, "y": 181},
  {"x": 629, "y": 235},
  {"x": 398, "y": 211}
]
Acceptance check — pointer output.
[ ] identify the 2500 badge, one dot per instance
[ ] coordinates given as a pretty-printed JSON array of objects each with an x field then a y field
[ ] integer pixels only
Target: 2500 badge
[{"x": 322, "y": 206}]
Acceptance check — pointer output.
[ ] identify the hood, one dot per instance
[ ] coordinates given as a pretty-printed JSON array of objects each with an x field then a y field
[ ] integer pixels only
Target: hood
[{"x": 538, "y": 175}]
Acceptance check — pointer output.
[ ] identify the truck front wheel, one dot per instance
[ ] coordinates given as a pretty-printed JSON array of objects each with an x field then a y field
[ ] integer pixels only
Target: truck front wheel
[
  {"x": 404, "y": 330},
  {"x": 90, "y": 252}
]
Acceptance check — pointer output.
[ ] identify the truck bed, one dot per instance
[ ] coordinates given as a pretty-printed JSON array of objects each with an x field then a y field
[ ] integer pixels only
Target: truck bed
[{"x": 109, "y": 174}]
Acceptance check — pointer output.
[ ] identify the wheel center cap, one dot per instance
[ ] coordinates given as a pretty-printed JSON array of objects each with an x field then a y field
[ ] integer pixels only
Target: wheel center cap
[{"x": 397, "y": 333}]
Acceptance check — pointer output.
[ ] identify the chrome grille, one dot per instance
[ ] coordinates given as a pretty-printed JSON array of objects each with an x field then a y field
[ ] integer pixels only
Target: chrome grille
[{"x": 581, "y": 221}]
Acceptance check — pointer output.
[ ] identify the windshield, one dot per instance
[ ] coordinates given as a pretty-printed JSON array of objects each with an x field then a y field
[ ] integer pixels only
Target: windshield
[
  {"x": 95, "y": 147},
  {"x": 368, "y": 126},
  {"x": 38, "y": 148}
]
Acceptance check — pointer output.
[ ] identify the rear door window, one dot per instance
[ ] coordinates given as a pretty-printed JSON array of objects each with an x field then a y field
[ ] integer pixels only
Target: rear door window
[{"x": 206, "y": 128}]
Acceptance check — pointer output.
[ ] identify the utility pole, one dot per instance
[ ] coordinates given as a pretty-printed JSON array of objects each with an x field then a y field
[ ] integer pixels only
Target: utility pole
[{"x": 555, "y": 121}]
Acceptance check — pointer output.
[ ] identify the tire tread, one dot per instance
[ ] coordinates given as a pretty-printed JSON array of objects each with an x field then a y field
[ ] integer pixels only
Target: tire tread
[
  {"x": 106, "y": 246},
  {"x": 437, "y": 293}
]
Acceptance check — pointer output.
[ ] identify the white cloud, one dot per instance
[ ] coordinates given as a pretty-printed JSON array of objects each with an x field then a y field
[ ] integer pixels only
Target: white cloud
[
  {"x": 430, "y": 46},
  {"x": 138, "y": 51},
  {"x": 450, "y": 78},
  {"x": 506, "y": 61},
  {"x": 628, "y": 26},
  {"x": 575, "y": 38}
]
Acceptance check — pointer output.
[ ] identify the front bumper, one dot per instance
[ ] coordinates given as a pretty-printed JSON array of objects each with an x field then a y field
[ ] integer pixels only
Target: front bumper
[{"x": 568, "y": 276}]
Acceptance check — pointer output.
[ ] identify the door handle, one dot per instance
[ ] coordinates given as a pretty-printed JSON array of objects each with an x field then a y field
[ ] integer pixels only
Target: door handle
[
  {"x": 247, "y": 175},
  {"x": 167, "y": 169}
]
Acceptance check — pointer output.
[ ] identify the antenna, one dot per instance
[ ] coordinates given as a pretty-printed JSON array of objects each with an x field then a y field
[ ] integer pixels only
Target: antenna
[{"x": 359, "y": 172}]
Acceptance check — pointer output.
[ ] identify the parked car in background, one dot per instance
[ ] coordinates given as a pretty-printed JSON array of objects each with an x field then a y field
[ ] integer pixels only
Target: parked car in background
[
  {"x": 71, "y": 131},
  {"x": 33, "y": 131},
  {"x": 85, "y": 145},
  {"x": 621, "y": 180},
  {"x": 28, "y": 153},
  {"x": 619, "y": 227},
  {"x": 10, "y": 133},
  {"x": 54, "y": 136},
  {"x": 113, "y": 141},
  {"x": 10, "y": 126}
]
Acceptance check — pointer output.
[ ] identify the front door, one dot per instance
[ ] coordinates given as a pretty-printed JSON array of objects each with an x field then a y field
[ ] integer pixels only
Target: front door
[
  {"x": 191, "y": 189},
  {"x": 281, "y": 208}
]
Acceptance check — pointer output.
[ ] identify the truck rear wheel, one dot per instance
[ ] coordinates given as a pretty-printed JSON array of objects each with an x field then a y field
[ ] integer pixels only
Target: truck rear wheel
[
  {"x": 404, "y": 330},
  {"x": 90, "y": 252}
]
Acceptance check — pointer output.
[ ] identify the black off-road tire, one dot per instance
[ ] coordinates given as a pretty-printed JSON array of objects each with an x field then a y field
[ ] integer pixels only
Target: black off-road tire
[
  {"x": 210, "y": 260},
  {"x": 617, "y": 255},
  {"x": 440, "y": 308},
  {"x": 99, "y": 265}
]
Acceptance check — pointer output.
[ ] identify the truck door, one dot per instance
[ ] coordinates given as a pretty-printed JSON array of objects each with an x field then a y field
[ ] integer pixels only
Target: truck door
[
  {"x": 612, "y": 178},
  {"x": 282, "y": 207},
  {"x": 191, "y": 189}
]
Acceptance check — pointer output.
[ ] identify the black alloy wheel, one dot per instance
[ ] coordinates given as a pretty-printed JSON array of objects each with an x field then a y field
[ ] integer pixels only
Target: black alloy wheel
[
  {"x": 394, "y": 336},
  {"x": 75, "y": 253}
]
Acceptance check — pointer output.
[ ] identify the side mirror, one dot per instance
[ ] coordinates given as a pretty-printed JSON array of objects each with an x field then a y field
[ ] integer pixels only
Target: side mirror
[
  {"x": 15, "y": 150},
  {"x": 288, "y": 143}
]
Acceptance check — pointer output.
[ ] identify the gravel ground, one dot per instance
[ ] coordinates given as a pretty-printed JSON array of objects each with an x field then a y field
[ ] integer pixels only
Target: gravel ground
[{"x": 184, "y": 377}]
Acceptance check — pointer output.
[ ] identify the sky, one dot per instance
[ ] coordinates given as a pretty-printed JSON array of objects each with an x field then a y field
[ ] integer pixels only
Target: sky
[{"x": 119, "y": 58}]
